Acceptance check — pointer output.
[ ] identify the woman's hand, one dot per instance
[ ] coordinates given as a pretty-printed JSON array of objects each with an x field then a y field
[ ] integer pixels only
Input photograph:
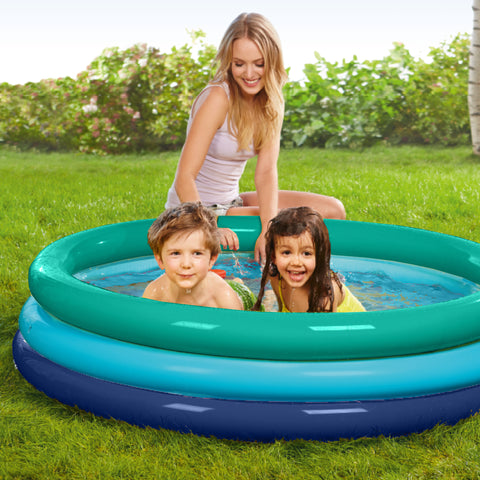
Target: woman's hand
[
  {"x": 266, "y": 185},
  {"x": 259, "y": 253},
  {"x": 228, "y": 239}
]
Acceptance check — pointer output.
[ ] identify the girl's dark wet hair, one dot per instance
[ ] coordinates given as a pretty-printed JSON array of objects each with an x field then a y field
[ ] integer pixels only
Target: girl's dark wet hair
[{"x": 292, "y": 222}]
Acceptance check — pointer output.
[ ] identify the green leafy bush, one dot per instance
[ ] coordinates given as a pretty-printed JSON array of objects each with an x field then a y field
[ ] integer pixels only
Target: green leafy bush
[
  {"x": 435, "y": 110},
  {"x": 38, "y": 115},
  {"x": 138, "y": 99},
  {"x": 397, "y": 100},
  {"x": 346, "y": 104},
  {"x": 126, "y": 101}
]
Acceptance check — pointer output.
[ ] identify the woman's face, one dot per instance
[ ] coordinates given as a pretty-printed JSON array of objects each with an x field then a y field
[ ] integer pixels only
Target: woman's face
[{"x": 248, "y": 66}]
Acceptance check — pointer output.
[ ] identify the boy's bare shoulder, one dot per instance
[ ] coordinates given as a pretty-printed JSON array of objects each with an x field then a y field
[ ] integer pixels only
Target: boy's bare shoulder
[
  {"x": 225, "y": 295},
  {"x": 219, "y": 285},
  {"x": 156, "y": 290}
]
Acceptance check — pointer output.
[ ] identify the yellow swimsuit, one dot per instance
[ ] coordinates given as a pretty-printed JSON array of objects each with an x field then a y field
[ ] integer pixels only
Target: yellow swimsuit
[
  {"x": 350, "y": 302},
  {"x": 284, "y": 308}
]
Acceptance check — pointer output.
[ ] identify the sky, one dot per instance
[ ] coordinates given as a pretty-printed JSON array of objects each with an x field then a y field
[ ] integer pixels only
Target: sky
[{"x": 59, "y": 38}]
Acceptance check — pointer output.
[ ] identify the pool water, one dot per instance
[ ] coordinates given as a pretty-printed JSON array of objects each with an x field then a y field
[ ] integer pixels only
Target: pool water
[{"x": 378, "y": 284}]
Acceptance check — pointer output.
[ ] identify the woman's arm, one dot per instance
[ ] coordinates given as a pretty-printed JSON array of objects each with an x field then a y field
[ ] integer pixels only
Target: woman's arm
[
  {"x": 266, "y": 185},
  {"x": 206, "y": 121}
]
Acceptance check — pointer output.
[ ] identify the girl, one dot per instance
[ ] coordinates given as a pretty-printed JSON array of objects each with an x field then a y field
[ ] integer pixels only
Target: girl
[
  {"x": 298, "y": 265},
  {"x": 238, "y": 116}
]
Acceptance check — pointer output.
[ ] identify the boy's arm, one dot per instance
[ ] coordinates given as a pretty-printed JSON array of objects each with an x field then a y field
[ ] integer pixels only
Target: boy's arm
[{"x": 226, "y": 297}]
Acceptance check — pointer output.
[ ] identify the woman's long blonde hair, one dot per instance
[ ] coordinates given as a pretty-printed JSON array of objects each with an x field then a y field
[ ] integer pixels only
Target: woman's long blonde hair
[{"x": 262, "y": 123}]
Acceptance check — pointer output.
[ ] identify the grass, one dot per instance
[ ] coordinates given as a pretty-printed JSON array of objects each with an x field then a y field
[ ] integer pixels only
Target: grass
[{"x": 45, "y": 197}]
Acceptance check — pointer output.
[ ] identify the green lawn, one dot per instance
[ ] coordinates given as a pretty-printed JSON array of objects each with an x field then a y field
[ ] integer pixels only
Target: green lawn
[{"x": 47, "y": 196}]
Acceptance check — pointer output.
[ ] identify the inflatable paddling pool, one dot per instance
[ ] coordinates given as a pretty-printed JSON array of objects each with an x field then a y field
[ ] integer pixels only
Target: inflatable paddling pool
[{"x": 253, "y": 375}]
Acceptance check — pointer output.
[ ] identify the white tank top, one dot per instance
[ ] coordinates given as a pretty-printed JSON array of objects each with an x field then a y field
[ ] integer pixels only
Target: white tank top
[{"x": 218, "y": 178}]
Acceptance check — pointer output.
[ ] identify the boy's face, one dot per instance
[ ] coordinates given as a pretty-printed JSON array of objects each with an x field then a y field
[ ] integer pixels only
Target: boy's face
[{"x": 186, "y": 259}]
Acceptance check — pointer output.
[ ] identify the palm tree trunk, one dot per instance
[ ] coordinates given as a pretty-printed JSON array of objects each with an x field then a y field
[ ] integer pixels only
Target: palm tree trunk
[{"x": 474, "y": 80}]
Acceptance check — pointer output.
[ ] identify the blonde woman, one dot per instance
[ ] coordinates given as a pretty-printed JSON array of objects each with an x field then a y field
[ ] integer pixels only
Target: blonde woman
[{"x": 236, "y": 117}]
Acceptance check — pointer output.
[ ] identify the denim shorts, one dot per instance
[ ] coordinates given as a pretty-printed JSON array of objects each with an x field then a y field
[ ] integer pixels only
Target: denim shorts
[{"x": 222, "y": 209}]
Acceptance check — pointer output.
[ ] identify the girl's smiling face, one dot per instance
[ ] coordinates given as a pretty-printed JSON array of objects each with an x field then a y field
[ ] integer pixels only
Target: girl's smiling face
[
  {"x": 248, "y": 66},
  {"x": 295, "y": 258}
]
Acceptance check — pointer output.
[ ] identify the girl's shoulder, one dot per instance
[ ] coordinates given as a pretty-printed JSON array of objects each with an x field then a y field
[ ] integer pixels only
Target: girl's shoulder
[
  {"x": 338, "y": 293},
  {"x": 274, "y": 281}
]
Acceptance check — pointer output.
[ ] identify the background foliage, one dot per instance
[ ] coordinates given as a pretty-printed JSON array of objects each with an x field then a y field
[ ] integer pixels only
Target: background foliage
[
  {"x": 129, "y": 100},
  {"x": 395, "y": 100},
  {"x": 138, "y": 99}
]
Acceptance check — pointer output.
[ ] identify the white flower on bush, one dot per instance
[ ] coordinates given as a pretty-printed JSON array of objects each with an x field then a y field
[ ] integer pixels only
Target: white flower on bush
[
  {"x": 325, "y": 102},
  {"x": 135, "y": 115},
  {"x": 92, "y": 106}
]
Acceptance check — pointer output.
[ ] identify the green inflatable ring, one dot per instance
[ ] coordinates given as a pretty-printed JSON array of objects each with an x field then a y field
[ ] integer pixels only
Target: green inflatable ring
[{"x": 262, "y": 335}]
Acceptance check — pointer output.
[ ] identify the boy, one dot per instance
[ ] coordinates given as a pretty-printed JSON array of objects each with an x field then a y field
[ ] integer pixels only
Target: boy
[{"x": 185, "y": 243}]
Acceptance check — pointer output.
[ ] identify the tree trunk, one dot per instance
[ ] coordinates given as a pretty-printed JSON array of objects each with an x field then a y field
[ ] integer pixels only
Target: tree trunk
[{"x": 474, "y": 80}]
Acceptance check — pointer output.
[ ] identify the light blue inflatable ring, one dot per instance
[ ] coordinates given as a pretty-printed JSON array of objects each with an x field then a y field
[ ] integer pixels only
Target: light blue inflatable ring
[
  {"x": 242, "y": 419},
  {"x": 246, "y": 379},
  {"x": 257, "y": 335}
]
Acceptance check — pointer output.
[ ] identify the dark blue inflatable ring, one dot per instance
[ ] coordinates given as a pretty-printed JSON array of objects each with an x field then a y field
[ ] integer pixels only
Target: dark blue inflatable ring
[{"x": 243, "y": 420}]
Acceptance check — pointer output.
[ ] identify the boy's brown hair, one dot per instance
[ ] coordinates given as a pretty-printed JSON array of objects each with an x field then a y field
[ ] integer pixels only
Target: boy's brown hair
[{"x": 185, "y": 218}]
